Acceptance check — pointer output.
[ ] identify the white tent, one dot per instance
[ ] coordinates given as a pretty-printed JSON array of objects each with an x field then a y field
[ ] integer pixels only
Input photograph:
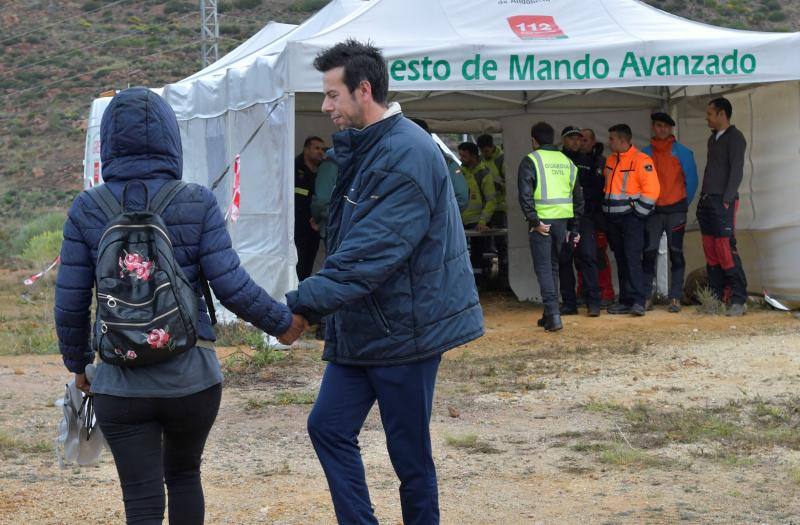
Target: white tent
[{"x": 500, "y": 66}]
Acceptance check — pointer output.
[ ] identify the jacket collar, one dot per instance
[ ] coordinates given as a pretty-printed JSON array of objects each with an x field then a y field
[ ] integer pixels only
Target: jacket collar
[
  {"x": 663, "y": 145},
  {"x": 351, "y": 143}
]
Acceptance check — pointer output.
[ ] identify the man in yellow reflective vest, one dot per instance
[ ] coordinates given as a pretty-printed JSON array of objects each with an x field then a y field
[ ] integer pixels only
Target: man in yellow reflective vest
[
  {"x": 552, "y": 202},
  {"x": 482, "y": 199}
]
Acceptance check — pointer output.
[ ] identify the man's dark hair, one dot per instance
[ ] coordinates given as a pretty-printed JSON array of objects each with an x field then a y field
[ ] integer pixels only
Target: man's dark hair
[
  {"x": 722, "y": 104},
  {"x": 543, "y": 133},
  {"x": 469, "y": 147},
  {"x": 421, "y": 123},
  {"x": 311, "y": 139},
  {"x": 622, "y": 131},
  {"x": 361, "y": 62},
  {"x": 485, "y": 141}
]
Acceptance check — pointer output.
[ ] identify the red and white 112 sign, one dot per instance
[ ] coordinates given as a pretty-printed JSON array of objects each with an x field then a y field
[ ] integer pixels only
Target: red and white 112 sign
[{"x": 535, "y": 26}]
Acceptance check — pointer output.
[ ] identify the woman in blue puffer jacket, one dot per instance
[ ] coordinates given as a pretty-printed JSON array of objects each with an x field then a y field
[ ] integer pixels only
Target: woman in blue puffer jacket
[{"x": 156, "y": 418}]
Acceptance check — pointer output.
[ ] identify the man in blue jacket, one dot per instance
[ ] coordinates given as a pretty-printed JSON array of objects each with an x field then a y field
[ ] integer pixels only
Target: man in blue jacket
[
  {"x": 677, "y": 177},
  {"x": 397, "y": 288}
]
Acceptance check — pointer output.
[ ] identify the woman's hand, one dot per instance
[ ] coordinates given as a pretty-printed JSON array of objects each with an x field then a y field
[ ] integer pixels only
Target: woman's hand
[{"x": 83, "y": 384}]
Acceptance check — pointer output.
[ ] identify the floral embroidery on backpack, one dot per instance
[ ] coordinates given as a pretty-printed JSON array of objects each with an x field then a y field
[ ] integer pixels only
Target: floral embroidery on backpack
[
  {"x": 159, "y": 338},
  {"x": 130, "y": 355},
  {"x": 136, "y": 265}
]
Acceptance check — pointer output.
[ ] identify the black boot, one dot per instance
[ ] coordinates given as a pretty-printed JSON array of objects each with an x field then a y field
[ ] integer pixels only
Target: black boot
[
  {"x": 540, "y": 322},
  {"x": 552, "y": 323}
]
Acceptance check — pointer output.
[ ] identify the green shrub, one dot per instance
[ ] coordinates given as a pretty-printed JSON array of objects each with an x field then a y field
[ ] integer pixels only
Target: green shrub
[
  {"x": 48, "y": 222},
  {"x": 246, "y": 4},
  {"x": 776, "y": 16},
  {"x": 174, "y": 6},
  {"x": 305, "y": 6},
  {"x": 91, "y": 5},
  {"x": 42, "y": 249}
]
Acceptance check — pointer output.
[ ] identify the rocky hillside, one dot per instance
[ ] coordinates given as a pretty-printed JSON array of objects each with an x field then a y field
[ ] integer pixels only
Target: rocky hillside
[{"x": 57, "y": 55}]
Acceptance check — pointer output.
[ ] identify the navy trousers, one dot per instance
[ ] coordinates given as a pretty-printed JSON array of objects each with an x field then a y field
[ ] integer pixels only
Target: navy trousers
[{"x": 405, "y": 396}]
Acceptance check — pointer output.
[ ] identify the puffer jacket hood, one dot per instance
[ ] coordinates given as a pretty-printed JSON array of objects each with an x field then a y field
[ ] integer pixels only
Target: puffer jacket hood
[{"x": 140, "y": 138}]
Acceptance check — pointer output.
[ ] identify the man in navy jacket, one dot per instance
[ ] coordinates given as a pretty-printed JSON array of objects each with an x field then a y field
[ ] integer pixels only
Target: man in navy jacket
[{"x": 397, "y": 288}]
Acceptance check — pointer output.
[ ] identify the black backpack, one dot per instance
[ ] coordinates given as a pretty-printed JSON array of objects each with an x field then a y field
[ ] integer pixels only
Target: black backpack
[{"x": 146, "y": 308}]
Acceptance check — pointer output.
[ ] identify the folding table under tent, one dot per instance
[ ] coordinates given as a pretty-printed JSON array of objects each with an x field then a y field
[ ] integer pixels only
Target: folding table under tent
[{"x": 501, "y": 66}]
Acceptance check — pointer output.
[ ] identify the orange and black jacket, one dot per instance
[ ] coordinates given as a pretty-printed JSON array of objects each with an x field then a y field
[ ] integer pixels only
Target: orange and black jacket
[{"x": 631, "y": 184}]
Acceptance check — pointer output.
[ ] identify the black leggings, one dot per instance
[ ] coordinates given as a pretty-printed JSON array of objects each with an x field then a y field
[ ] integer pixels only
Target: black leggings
[{"x": 158, "y": 440}]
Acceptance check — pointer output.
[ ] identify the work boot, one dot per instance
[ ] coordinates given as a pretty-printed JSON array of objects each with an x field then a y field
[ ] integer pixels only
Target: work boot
[
  {"x": 638, "y": 310},
  {"x": 552, "y": 323},
  {"x": 619, "y": 308},
  {"x": 569, "y": 310},
  {"x": 674, "y": 306},
  {"x": 648, "y": 305},
  {"x": 735, "y": 310},
  {"x": 594, "y": 310}
]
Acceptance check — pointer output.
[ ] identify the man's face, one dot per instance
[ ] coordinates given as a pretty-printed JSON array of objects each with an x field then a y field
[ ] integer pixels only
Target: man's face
[
  {"x": 587, "y": 141},
  {"x": 617, "y": 144},
  {"x": 571, "y": 142},
  {"x": 487, "y": 151},
  {"x": 661, "y": 130},
  {"x": 314, "y": 152},
  {"x": 714, "y": 117},
  {"x": 340, "y": 104},
  {"x": 467, "y": 158}
]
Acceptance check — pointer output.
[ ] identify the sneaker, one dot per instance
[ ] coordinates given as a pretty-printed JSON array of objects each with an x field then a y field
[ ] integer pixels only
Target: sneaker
[
  {"x": 638, "y": 310},
  {"x": 674, "y": 306},
  {"x": 569, "y": 310},
  {"x": 735, "y": 310},
  {"x": 594, "y": 310},
  {"x": 648, "y": 305},
  {"x": 619, "y": 308}
]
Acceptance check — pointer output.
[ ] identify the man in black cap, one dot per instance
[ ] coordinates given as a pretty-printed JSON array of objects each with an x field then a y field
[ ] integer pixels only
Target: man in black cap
[
  {"x": 586, "y": 250},
  {"x": 677, "y": 177}
]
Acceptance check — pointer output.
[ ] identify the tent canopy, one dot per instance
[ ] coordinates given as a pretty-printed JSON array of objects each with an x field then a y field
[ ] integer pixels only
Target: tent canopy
[
  {"x": 479, "y": 66},
  {"x": 568, "y": 44}
]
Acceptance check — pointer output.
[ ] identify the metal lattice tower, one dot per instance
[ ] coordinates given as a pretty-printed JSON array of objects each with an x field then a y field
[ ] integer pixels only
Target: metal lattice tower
[{"x": 209, "y": 31}]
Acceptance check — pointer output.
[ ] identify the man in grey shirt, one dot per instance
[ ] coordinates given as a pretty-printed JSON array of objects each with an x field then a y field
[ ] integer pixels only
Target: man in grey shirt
[{"x": 716, "y": 210}]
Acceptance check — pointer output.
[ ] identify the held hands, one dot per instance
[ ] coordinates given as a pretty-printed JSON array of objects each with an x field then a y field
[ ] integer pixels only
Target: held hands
[{"x": 296, "y": 329}]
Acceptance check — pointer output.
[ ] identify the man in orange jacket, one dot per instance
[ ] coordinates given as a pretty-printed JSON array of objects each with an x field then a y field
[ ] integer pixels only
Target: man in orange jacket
[{"x": 630, "y": 195}]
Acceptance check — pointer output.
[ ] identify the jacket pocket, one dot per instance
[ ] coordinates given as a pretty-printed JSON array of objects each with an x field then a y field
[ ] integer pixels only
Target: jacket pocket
[{"x": 377, "y": 314}]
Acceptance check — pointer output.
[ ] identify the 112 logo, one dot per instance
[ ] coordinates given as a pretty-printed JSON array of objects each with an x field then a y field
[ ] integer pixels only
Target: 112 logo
[{"x": 535, "y": 26}]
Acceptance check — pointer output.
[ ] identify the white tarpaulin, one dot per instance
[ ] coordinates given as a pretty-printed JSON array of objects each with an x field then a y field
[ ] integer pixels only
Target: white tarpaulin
[
  {"x": 548, "y": 44},
  {"x": 473, "y": 65}
]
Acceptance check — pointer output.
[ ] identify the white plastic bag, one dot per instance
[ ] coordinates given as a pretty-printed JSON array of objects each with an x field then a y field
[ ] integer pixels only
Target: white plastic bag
[{"x": 79, "y": 437}]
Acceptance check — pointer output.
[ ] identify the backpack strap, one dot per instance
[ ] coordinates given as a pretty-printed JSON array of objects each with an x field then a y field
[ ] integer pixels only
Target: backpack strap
[
  {"x": 165, "y": 194},
  {"x": 212, "y": 312},
  {"x": 158, "y": 204},
  {"x": 103, "y": 197}
]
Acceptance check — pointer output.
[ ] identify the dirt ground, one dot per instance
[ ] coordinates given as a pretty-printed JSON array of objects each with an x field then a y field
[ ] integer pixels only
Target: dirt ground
[{"x": 528, "y": 428}]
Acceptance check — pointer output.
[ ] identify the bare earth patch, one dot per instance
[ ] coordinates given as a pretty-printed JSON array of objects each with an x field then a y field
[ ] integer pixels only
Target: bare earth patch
[{"x": 665, "y": 419}]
